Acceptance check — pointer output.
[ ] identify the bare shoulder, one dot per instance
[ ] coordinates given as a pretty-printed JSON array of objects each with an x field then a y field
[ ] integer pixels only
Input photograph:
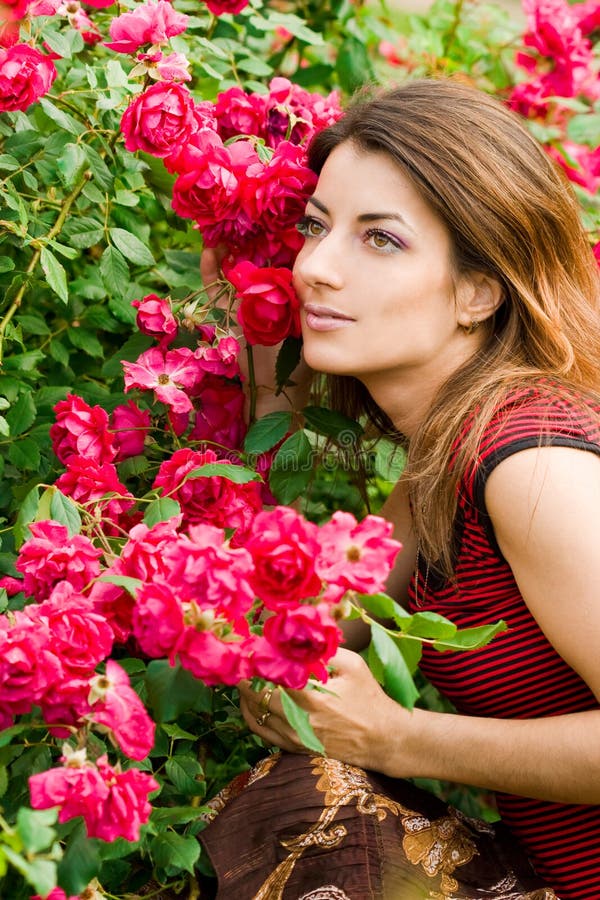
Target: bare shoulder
[{"x": 544, "y": 504}]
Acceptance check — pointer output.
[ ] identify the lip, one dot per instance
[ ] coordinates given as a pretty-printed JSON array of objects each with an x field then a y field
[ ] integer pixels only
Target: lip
[{"x": 325, "y": 318}]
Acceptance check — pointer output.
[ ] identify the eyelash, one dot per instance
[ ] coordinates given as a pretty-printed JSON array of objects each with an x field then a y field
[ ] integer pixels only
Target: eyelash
[{"x": 307, "y": 222}]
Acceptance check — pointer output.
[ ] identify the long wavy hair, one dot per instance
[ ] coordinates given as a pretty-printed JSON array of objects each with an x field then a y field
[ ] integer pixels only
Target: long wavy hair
[{"x": 511, "y": 213}]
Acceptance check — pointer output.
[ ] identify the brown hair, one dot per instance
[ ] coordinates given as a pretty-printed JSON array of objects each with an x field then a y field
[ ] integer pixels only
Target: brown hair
[{"x": 511, "y": 213}]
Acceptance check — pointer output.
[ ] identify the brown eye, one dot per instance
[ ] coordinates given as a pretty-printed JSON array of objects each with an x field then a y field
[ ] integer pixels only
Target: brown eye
[{"x": 309, "y": 227}]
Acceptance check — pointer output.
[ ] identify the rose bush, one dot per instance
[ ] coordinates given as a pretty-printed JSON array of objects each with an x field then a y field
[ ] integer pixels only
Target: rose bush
[{"x": 137, "y": 552}]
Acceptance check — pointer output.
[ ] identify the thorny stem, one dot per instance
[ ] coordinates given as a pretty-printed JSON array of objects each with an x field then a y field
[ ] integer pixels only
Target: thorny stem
[{"x": 56, "y": 228}]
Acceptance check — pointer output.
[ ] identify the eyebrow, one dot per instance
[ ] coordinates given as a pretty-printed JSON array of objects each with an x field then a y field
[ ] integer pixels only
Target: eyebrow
[{"x": 365, "y": 217}]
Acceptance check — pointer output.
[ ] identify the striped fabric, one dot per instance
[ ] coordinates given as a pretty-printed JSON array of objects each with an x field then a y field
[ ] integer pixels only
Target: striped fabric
[{"x": 519, "y": 675}]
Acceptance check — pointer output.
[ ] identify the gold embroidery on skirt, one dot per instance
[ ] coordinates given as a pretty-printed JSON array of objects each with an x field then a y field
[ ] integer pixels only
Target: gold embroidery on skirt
[{"x": 439, "y": 847}]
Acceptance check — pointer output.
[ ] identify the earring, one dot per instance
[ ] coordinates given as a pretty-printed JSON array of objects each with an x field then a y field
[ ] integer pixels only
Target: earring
[{"x": 470, "y": 328}]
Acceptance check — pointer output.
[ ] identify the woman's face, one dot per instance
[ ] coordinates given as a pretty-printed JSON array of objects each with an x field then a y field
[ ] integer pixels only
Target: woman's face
[{"x": 374, "y": 276}]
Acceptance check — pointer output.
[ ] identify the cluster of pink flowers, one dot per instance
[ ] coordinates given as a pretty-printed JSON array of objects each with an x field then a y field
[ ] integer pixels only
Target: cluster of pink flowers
[
  {"x": 111, "y": 802},
  {"x": 560, "y": 62}
]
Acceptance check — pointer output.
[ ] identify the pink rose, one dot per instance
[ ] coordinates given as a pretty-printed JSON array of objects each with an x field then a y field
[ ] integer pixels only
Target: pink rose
[
  {"x": 270, "y": 310},
  {"x": 169, "y": 373},
  {"x": 130, "y": 427},
  {"x": 218, "y": 7},
  {"x": 81, "y": 430},
  {"x": 80, "y": 637},
  {"x": 154, "y": 315},
  {"x": 283, "y": 188},
  {"x": 78, "y": 789},
  {"x": 127, "y": 807},
  {"x": 118, "y": 709},
  {"x": 214, "y": 500},
  {"x": 291, "y": 106},
  {"x": 174, "y": 67},
  {"x": 212, "y": 660},
  {"x": 296, "y": 644},
  {"x": 219, "y": 413},
  {"x": 97, "y": 487},
  {"x": 157, "y": 618},
  {"x": 25, "y": 76},
  {"x": 65, "y": 705},
  {"x": 28, "y": 665},
  {"x": 357, "y": 555},
  {"x": 221, "y": 359},
  {"x": 160, "y": 119},
  {"x": 56, "y": 893},
  {"x": 240, "y": 113},
  {"x": 52, "y": 555},
  {"x": 217, "y": 191},
  {"x": 210, "y": 574},
  {"x": 284, "y": 547},
  {"x": 149, "y": 23},
  {"x": 596, "y": 250}
]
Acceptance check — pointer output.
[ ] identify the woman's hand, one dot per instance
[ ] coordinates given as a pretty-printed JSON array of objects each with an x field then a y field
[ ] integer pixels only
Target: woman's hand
[{"x": 353, "y": 718}]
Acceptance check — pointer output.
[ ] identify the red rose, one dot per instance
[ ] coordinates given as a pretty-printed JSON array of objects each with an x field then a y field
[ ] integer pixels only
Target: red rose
[
  {"x": 81, "y": 430},
  {"x": 160, "y": 120},
  {"x": 284, "y": 547},
  {"x": 25, "y": 76},
  {"x": 213, "y": 500},
  {"x": 219, "y": 413},
  {"x": 218, "y": 7},
  {"x": 296, "y": 644},
  {"x": 270, "y": 310}
]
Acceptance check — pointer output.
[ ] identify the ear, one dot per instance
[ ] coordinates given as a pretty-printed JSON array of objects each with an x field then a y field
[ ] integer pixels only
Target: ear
[{"x": 478, "y": 297}]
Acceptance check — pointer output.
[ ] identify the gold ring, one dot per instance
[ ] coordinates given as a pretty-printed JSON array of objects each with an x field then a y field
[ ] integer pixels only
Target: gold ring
[{"x": 263, "y": 705}]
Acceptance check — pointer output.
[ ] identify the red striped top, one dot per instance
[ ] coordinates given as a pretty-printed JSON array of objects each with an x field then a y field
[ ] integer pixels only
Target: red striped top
[{"x": 519, "y": 675}]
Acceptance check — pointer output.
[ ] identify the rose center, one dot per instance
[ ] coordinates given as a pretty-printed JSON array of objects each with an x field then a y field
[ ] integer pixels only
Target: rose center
[
  {"x": 163, "y": 379},
  {"x": 353, "y": 553}
]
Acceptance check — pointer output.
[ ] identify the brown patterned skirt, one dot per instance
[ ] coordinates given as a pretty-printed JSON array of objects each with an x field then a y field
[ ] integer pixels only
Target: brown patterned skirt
[{"x": 311, "y": 828}]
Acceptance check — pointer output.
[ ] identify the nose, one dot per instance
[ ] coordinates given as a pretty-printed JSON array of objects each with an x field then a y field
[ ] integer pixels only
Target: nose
[{"x": 320, "y": 263}]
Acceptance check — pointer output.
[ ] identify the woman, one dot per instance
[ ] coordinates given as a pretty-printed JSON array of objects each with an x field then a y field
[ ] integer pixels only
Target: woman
[{"x": 448, "y": 287}]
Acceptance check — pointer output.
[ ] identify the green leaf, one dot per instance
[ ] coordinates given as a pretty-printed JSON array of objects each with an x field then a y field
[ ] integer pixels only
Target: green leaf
[
  {"x": 26, "y": 515},
  {"x": 266, "y": 432},
  {"x": 237, "y": 474},
  {"x": 173, "y": 815},
  {"x": 71, "y": 164},
  {"x": 294, "y": 24},
  {"x": 174, "y": 852},
  {"x": 102, "y": 174},
  {"x": 292, "y": 468},
  {"x": 472, "y": 638},
  {"x": 187, "y": 775},
  {"x": 80, "y": 863},
  {"x": 161, "y": 510},
  {"x": 114, "y": 271},
  {"x": 83, "y": 232},
  {"x": 398, "y": 680},
  {"x": 55, "y": 274},
  {"x": 39, "y": 873},
  {"x": 173, "y": 690},
  {"x": 63, "y": 510},
  {"x": 131, "y": 247},
  {"x": 353, "y": 65},
  {"x": 25, "y": 454},
  {"x": 87, "y": 341},
  {"x": 33, "y": 325},
  {"x": 8, "y": 163},
  {"x": 178, "y": 734},
  {"x": 6, "y": 264},
  {"x": 288, "y": 359},
  {"x": 21, "y": 415},
  {"x": 384, "y": 607},
  {"x": 35, "y": 828},
  {"x": 431, "y": 625},
  {"x": 300, "y": 722},
  {"x": 341, "y": 428},
  {"x": 61, "y": 119},
  {"x": 131, "y": 585},
  {"x": 254, "y": 66}
]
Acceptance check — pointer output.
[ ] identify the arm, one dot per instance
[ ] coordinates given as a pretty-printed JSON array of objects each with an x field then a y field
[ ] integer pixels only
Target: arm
[{"x": 544, "y": 504}]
